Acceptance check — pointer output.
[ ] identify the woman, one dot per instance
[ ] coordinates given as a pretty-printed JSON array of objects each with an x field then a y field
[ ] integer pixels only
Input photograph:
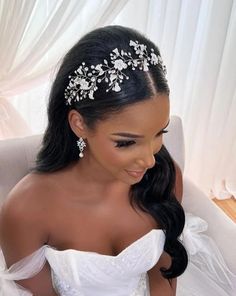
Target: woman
[{"x": 100, "y": 213}]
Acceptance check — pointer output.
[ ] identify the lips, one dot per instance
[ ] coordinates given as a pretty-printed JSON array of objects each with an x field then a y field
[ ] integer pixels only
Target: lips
[{"x": 136, "y": 174}]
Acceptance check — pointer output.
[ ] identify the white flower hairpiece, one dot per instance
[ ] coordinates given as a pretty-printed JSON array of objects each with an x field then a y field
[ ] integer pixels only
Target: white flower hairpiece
[{"x": 84, "y": 83}]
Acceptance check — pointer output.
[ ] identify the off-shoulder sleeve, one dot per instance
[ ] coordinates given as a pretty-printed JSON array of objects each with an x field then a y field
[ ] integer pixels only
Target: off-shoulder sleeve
[
  {"x": 23, "y": 269},
  {"x": 207, "y": 272}
]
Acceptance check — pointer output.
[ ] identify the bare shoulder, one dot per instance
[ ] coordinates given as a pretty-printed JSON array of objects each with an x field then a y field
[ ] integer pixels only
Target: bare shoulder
[
  {"x": 28, "y": 196},
  {"x": 24, "y": 217}
]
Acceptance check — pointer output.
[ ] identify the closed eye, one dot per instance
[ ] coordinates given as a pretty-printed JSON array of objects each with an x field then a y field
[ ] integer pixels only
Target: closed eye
[{"x": 127, "y": 143}]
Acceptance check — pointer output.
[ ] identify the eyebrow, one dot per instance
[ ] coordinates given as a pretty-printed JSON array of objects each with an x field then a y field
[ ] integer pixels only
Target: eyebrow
[{"x": 129, "y": 135}]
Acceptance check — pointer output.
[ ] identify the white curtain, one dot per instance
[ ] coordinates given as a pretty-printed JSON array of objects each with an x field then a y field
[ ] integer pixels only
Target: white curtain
[
  {"x": 197, "y": 39},
  {"x": 34, "y": 36},
  {"x": 203, "y": 83}
]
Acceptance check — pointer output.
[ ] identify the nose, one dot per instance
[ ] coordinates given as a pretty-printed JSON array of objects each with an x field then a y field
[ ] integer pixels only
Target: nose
[{"x": 147, "y": 159}]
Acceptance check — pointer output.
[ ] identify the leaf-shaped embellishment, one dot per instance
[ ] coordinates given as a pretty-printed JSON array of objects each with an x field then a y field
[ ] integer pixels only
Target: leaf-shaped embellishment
[
  {"x": 79, "y": 70},
  {"x": 145, "y": 65},
  {"x": 116, "y": 51},
  {"x": 113, "y": 77},
  {"x": 154, "y": 59},
  {"x": 91, "y": 95},
  {"x": 116, "y": 88},
  {"x": 132, "y": 43},
  {"x": 143, "y": 47},
  {"x": 99, "y": 68}
]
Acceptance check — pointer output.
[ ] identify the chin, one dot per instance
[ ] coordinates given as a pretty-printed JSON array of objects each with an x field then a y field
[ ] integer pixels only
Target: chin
[{"x": 131, "y": 182}]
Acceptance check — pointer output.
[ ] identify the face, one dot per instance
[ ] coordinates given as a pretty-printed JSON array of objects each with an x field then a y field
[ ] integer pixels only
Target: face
[{"x": 123, "y": 146}]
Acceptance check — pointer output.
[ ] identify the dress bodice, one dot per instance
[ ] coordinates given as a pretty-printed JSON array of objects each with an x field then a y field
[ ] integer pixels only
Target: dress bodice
[
  {"x": 81, "y": 273},
  {"x": 88, "y": 273}
]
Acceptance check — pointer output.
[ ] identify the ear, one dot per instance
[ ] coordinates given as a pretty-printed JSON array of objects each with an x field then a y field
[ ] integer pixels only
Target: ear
[{"x": 77, "y": 123}]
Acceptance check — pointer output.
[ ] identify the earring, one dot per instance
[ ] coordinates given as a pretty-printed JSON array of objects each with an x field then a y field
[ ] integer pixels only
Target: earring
[{"x": 81, "y": 144}]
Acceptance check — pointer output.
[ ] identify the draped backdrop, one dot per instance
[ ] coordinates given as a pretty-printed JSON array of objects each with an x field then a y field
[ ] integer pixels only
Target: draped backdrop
[{"x": 197, "y": 39}]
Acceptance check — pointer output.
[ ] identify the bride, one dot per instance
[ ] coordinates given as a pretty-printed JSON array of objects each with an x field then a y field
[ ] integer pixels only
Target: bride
[{"x": 100, "y": 213}]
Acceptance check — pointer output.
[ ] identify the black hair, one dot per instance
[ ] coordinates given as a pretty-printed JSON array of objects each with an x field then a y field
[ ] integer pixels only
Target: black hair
[{"x": 154, "y": 194}]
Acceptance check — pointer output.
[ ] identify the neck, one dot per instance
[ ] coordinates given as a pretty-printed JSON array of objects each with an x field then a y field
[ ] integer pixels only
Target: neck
[{"x": 94, "y": 178}]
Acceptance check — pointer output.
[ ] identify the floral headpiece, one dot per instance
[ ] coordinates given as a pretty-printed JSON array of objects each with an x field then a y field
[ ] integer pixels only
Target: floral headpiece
[{"x": 84, "y": 83}]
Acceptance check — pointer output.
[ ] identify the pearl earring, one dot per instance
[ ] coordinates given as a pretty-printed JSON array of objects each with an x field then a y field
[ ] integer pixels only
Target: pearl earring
[{"x": 81, "y": 144}]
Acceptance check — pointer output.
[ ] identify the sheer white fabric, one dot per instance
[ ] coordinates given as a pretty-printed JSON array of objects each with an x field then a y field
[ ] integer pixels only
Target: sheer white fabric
[
  {"x": 25, "y": 268},
  {"x": 81, "y": 273},
  {"x": 34, "y": 41},
  {"x": 8, "y": 119},
  {"x": 207, "y": 273}
]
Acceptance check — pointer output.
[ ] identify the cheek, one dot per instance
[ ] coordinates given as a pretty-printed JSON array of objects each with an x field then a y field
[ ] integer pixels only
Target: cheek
[
  {"x": 116, "y": 156},
  {"x": 106, "y": 152}
]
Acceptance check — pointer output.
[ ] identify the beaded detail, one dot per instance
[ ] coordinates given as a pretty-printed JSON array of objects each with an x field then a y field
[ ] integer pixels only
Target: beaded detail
[
  {"x": 143, "y": 287},
  {"x": 83, "y": 273},
  {"x": 84, "y": 81},
  {"x": 62, "y": 288}
]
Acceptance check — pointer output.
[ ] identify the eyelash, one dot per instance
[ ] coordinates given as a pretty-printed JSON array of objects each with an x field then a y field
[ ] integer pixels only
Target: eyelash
[{"x": 124, "y": 144}]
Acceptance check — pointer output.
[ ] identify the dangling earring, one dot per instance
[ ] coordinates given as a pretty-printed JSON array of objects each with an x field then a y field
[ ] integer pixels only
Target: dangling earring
[{"x": 81, "y": 144}]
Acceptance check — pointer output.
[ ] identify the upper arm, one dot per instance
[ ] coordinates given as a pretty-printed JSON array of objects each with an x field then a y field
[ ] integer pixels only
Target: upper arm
[
  {"x": 23, "y": 231},
  {"x": 158, "y": 284},
  {"x": 178, "y": 183}
]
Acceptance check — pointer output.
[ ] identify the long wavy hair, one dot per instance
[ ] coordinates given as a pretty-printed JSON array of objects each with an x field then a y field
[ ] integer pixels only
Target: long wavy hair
[{"x": 154, "y": 194}]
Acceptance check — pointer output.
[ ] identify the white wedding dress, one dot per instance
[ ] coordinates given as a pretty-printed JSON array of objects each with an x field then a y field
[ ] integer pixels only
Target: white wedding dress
[{"x": 81, "y": 273}]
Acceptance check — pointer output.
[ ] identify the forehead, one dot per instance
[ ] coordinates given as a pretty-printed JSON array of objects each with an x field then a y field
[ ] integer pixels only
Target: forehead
[{"x": 149, "y": 115}]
